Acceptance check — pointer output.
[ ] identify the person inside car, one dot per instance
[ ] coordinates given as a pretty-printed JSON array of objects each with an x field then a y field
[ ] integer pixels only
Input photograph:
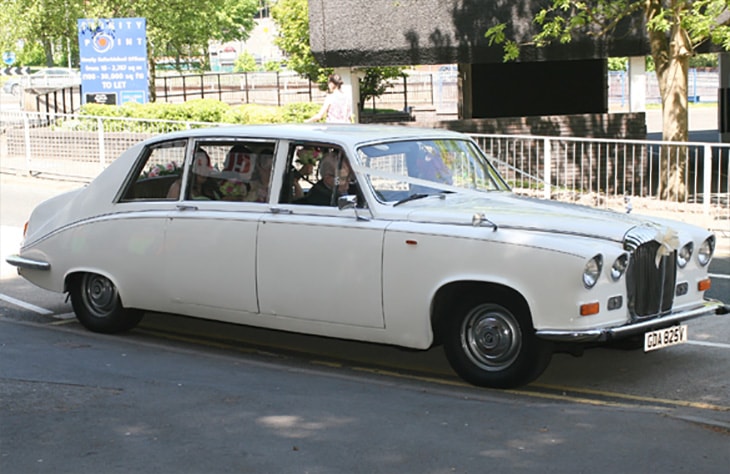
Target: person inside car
[
  {"x": 203, "y": 185},
  {"x": 334, "y": 182}
]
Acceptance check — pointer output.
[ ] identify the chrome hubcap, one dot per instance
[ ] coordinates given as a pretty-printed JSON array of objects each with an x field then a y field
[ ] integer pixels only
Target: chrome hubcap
[
  {"x": 99, "y": 294},
  {"x": 491, "y": 337}
]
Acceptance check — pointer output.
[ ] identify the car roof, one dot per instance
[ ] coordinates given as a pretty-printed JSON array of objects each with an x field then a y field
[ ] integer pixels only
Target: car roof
[{"x": 346, "y": 134}]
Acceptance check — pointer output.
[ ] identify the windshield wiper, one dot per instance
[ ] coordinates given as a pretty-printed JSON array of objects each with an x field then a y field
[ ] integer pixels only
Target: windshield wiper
[
  {"x": 415, "y": 196},
  {"x": 412, "y": 197}
]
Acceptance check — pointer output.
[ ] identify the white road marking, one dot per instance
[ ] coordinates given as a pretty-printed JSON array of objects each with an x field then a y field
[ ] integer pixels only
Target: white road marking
[
  {"x": 718, "y": 275},
  {"x": 23, "y": 304},
  {"x": 709, "y": 344},
  {"x": 65, "y": 316}
]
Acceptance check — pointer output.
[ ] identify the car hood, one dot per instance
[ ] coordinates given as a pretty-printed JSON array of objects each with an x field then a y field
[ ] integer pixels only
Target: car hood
[{"x": 508, "y": 210}]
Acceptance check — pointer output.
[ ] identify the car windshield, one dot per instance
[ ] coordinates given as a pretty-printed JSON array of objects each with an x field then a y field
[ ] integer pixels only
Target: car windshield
[{"x": 404, "y": 171}]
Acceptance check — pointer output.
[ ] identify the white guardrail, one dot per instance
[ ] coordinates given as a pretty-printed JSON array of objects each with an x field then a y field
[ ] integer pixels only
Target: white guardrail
[{"x": 618, "y": 174}]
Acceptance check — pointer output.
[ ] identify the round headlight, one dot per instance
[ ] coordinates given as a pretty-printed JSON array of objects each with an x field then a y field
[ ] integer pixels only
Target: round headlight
[
  {"x": 704, "y": 254},
  {"x": 685, "y": 253},
  {"x": 619, "y": 266},
  {"x": 592, "y": 271}
]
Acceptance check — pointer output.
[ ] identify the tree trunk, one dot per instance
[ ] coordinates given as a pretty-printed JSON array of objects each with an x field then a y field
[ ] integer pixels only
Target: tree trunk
[
  {"x": 671, "y": 52},
  {"x": 151, "y": 74},
  {"x": 48, "y": 51}
]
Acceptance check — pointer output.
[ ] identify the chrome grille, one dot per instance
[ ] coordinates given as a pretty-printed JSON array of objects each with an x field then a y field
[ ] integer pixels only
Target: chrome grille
[{"x": 650, "y": 288}]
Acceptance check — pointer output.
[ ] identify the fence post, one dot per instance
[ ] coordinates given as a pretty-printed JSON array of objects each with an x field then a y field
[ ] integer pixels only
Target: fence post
[
  {"x": 102, "y": 158},
  {"x": 707, "y": 182},
  {"x": 430, "y": 82},
  {"x": 548, "y": 167},
  {"x": 26, "y": 136},
  {"x": 278, "y": 90},
  {"x": 405, "y": 93},
  {"x": 245, "y": 79}
]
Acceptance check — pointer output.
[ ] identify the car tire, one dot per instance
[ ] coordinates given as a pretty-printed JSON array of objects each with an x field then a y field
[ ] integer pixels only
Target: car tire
[
  {"x": 15, "y": 89},
  {"x": 492, "y": 344},
  {"x": 97, "y": 305}
]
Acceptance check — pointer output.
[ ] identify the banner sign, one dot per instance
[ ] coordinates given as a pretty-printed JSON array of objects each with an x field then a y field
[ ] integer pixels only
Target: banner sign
[{"x": 113, "y": 60}]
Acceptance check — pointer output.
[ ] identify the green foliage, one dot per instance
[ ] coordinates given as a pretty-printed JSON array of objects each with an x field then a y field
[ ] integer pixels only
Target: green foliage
[
  {"x": 254, "y": 113},
  {"x": 172, "y": 29},
  {"x": 272, "y": 66},
  {"x": 245, "y": 62},
  {"x": 618, "y": 64},
  {"x": 196, "y": 111},
  {"x": 31, "y": 54},
  {"x": 560, "y": 20},
  {"x": 703, "y": 60},
  {"x": 299, "y": 112},
  {"x": 203, "y": 110},
  {"x": 292, "y": 19},
  {"x": 377, "y": 80}
]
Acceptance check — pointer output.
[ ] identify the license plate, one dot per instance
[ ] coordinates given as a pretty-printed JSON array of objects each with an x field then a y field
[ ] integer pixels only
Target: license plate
[{"x": 662, "y": 338}]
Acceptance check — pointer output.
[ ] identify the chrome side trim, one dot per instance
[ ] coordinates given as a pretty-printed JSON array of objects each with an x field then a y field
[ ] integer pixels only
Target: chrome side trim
[
  {"x": 606, "y": 334},
  {"x": 22, "y": 262}
]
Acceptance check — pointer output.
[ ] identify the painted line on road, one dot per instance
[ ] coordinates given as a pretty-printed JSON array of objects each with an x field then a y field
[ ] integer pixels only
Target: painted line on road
[
  {"x": 719, "y": 275},
  {"x": 565, "y": 390},
  {"x": 709, "y": 344},
  {"x": 580, "y": 395},
  {"x": 23, "y": 304}
]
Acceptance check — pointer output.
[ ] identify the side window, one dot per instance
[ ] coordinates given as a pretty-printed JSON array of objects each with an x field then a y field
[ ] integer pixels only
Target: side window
[
  {"x": 230, "y": 170},
  {"x": 317, "y": 175},
  {"x": 160, "y": 168}
]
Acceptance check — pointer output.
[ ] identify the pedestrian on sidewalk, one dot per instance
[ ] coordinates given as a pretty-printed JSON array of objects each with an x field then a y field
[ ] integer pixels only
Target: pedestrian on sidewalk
[{"x": 337, "y": 107}]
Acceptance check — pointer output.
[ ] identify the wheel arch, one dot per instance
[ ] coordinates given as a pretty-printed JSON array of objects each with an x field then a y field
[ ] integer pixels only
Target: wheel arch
[
  {"x": 73, "y": 275},
  {"x": 448, "y": 294}
]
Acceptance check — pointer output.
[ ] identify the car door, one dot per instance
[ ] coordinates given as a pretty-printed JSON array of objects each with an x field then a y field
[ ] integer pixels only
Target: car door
[
  {"x": 320, "y": 264},
  {"x": 210, "y": 240}
]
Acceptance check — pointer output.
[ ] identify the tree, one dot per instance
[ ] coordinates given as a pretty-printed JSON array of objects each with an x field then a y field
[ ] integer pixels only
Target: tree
[
  {"x": 292, "y": 20},
  {"x": 176, "y": 29},
  {"x": 675, "y": 28},
  {"x": 245, "y": 62},
  {"x": 52, "y": 23}
]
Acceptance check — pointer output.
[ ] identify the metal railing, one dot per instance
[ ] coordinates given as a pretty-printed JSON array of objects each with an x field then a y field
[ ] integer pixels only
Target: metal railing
[{"x": 617, "y": 174}]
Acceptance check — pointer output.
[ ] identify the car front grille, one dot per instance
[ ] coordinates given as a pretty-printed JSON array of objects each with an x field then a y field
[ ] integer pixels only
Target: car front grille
[{"x": 650, "y": 288}]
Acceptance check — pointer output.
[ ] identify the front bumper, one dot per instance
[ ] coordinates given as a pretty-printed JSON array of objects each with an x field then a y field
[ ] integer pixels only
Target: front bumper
[
  {"x": 607, "y": 334},
  {"x": 22, "y": 262}
]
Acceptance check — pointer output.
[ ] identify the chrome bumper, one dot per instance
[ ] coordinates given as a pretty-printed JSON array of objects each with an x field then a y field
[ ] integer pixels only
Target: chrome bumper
[
  {"x": 607, "y": 334},
  {"x": 22, "y": 262}
]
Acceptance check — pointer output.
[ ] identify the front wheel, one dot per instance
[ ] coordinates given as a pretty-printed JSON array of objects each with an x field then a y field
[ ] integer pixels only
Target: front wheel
[
  {"x": 97, "y": 305},
  {"x": 490, "y": 345}
]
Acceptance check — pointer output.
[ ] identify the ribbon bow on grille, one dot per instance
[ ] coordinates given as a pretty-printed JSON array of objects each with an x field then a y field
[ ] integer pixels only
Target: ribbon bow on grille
[{"x": 668, "y": 243}]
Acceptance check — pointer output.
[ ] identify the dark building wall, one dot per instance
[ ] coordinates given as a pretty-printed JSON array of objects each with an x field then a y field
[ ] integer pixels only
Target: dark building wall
[
  {"x": 539, "y": 88},
  {"x": 409, "y": 32},
  {"x": 545, "y": 83}
]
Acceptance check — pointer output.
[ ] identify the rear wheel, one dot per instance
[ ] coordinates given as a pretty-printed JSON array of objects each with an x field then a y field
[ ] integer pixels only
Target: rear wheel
[
  {"x": 492, "y": 345},
  {"x": 97, "y": 305}
]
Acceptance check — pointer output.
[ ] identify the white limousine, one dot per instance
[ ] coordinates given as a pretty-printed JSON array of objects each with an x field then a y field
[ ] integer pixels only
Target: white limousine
[{"x": 387, "y": 234}]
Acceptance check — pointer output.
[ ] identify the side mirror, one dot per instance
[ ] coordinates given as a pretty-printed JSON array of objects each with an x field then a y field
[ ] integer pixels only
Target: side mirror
[{"x": 349, "y": 201}]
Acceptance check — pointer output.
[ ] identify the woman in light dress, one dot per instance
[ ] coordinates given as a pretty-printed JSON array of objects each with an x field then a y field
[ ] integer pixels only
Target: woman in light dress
[{"x": 337, "y": 107}]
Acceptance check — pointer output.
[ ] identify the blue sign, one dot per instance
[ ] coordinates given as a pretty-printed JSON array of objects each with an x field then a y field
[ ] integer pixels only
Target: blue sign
[
  {"x": 113, "y": 60},
  {"x": 9, "y": 58}
]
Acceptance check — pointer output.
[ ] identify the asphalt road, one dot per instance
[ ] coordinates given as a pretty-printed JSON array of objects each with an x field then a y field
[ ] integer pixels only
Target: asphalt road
[
  {"x": 183, "y": 395},
  {"x": 79, "y": 402}
]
